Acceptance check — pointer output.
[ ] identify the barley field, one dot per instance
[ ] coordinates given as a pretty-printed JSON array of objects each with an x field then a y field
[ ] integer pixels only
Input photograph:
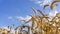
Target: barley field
[{"x": 41, "y": 23}]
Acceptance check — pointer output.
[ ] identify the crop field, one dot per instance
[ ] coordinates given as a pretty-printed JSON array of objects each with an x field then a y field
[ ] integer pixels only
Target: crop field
[{"x": 41, "y": 23}]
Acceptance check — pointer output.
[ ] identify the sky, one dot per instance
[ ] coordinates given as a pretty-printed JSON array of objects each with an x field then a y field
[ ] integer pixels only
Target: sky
[{"x": 12, "y": 10}]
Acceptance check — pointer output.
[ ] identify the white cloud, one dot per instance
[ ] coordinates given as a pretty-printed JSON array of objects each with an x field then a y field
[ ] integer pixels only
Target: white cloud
[
  {"x": 10, "y": 17},
  {"x": 42, "y": 2},
  {"x": 53, "y": 13},
  {"x": 23, "y": 18},
  {"x": 38, "y": 2},
  {"x": 13, "y": 18},
  {"x": 47, "y": 2}
]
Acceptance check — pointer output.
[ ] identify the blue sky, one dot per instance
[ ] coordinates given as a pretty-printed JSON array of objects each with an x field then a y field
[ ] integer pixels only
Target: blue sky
[{"x": 13, "y": 8}]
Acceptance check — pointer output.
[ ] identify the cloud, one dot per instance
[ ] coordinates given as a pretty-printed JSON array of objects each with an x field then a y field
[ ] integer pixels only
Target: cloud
[
  {"x": 10, "y": 17},
  {"x": 47, "y": 2},
  {"x": 23, "y": 18},
  {"x": 13, "y": 18},
  {"x": 53, "y": 13},
  {"x": 42, "y": 2},
  {"x": 38, "y": 2}
]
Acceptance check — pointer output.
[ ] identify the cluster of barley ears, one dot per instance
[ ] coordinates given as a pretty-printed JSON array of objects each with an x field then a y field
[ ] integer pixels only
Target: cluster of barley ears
[{"x": 44, "y": 25}]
